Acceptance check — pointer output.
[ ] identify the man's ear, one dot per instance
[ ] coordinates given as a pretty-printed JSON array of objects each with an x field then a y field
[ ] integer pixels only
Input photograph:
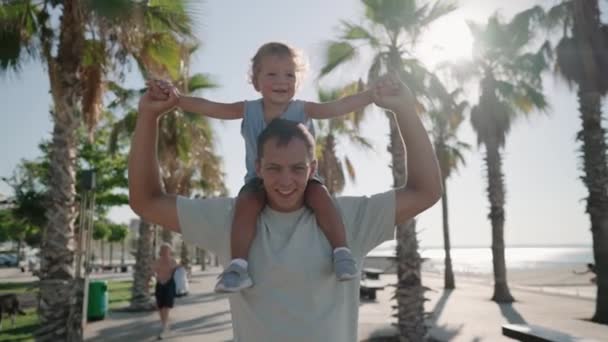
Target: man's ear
[{"x": 313, "y": 168}]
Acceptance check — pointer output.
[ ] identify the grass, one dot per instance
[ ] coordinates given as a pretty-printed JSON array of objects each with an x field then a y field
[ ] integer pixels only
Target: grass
[
  {"x": 23, "y": 329},
  {"x": 119, "y": 295},
  {"x": 19, "y": 288}
]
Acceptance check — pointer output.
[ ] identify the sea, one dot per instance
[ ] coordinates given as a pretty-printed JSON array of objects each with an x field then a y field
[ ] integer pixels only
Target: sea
[{"x": 479, "y": 259}]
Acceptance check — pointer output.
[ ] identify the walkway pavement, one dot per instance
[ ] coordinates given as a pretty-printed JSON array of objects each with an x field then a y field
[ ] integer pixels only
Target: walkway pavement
[{"x": 464, "y": 314}]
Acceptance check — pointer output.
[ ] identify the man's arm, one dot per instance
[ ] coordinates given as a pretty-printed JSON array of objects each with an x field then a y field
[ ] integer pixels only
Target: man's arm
[
  {"x": 343, "y": 106},
  {"x": 423, "y": 188},
  {"x": 146, "y": 195}
]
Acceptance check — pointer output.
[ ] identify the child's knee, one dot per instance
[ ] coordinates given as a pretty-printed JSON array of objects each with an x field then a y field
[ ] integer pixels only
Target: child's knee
[
  {"x": 316, "y": 195},
  {"x": 251, "y": 199}
]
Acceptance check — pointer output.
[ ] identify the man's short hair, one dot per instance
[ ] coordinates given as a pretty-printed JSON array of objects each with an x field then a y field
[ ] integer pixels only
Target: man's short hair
[{"x": 285, "y": 130}]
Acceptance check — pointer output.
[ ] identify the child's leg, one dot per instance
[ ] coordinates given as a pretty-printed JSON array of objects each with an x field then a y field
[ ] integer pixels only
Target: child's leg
[
  {"x": 319, "y": 200},
  {"x": 248, "y": 206}
]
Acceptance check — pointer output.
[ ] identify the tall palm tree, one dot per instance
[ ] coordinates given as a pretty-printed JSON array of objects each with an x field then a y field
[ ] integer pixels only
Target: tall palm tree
[
  {"x": 446, "y": 118},
  {"x": 510, "y": 85},
  {"x": 188, "y": 162},
  {"x": 330, "y": 167},
  {"x": 186, "y": 143},
  {"x": 390, "y": 32},
  {"x": 28, "y": 32},
  {"x": 582, "y": 59}
]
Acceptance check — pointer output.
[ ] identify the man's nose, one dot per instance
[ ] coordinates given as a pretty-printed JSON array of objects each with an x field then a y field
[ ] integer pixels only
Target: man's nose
[{"x": 285, "y": 178}]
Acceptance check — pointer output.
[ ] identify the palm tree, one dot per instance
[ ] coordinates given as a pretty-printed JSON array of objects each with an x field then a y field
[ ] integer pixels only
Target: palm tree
[
  {"x": 101, "y": 233},
  {"x": 391, "y": 30},
  {"x": 330, "y": 167},
  {"x": 27, "y": 32},
  {"x": 446, "y": 119},
  {"x": 142, "y": 271},
  {"x": 582, "y": 59},
  {"x": 118, "y": 233},
  {"x": 510, "y": 85},
  {"x": 186, "y": 145},
  {"x": 187, "y": 158}
]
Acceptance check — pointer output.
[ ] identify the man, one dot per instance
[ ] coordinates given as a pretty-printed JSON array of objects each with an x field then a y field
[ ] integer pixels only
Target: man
[
  {"x": 164, "y": 292},
  {"x": 295, "y": 298}
]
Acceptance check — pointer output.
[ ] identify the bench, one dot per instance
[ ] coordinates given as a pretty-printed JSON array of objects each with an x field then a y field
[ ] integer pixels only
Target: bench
[
  {"x": 370, "y": 283},
  {"x": 372, "y": 273},
  {"x": 535, "y": 333},
  {"x": 368, "y": 288}
]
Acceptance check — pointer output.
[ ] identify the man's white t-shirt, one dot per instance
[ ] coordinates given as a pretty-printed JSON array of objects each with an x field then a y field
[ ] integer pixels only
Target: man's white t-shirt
[{"x": 296, "y": 296}]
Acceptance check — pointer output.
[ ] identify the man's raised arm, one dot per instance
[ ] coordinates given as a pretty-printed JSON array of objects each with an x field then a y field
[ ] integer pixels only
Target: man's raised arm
[
  {"x": 146, "y": 195},
  {"x": 423, "y": 188}
]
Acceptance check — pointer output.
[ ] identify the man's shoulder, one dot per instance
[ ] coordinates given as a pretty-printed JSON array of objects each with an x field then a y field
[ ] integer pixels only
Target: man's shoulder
[
  {"x": 202, "y": 202},
  {"x": 380, "y": 196}
]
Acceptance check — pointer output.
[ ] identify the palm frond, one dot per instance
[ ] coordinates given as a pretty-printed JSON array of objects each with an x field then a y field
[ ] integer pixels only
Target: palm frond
[
  {"x": 337, "y": 53},
  {"x": 20, "y": 23},
  {"x": 199, "y": 82},
  {"x": 559, "y": 15},
  {"x": 357, "y": 32},
  {"x": 350, "y": 169},
  {"x": 438, "y": 10}
]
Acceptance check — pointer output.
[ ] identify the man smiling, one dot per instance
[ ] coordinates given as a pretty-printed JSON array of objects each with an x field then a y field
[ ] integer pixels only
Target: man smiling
[{"x": 296, "y": 296}]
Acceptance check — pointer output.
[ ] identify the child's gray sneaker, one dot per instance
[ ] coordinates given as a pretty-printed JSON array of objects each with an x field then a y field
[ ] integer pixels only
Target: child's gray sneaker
[
  {"x": 345, "y": 266},
  {"x": 234, "y": 279}
]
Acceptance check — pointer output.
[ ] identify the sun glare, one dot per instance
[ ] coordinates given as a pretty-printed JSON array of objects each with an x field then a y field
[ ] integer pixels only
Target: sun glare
[{"x": 448, "y": 39}]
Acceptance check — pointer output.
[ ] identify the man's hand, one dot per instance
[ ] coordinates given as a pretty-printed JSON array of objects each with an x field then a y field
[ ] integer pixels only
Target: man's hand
[
  {"x": 392, "y": 94},
  {"x": 156, "y": 102}
]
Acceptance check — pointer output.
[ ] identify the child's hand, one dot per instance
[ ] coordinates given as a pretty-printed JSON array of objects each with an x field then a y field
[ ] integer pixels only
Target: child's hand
[
  {"x": 160, "y": 90},
  {"x": 392, "y": 94},
  {"x": 156, "y": 102}
]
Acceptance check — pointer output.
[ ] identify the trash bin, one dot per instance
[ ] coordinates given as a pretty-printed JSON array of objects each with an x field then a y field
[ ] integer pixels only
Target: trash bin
[{"x": 98, "y": 300}]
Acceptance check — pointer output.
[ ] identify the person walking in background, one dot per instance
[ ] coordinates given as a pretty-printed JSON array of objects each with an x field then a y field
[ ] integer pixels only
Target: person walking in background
[{"x": 164, "y": 269}]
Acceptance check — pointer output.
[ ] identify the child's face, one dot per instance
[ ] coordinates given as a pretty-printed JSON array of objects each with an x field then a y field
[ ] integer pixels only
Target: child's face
[{"x": 276, "y": 78}]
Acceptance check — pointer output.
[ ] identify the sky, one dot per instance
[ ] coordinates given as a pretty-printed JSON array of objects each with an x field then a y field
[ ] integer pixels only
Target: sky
[{"x": 545, "y": 199}]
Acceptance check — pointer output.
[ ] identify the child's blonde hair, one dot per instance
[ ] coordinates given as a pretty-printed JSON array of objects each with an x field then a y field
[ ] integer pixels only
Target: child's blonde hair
[{"x": 276, "y": 49}]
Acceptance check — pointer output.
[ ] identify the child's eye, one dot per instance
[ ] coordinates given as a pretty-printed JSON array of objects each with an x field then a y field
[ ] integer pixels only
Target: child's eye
[{"x": 291, "y": 75}]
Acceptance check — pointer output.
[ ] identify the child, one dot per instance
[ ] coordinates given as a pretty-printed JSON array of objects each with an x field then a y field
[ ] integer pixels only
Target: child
[
  {"x": 163, "y": 269},
  {"x": 274, "y": 74}
]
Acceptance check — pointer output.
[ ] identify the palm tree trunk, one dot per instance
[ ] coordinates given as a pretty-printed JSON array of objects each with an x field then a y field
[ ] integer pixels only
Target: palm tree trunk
[
  {"x": 201, "y": 254},
  {"x": 103, "y": 254},
  {"x": 185, "y": 257},
  {"x": 122, "y": 252},
  {"x": 448, "y": 273},
  {"x": 60, "y": 319},
  {"x": 410, "y": 292},
  {"x": 140, "y": 295},
  {"x": 593, "y": 137},
  {"x": 111, "y": 247},
  {"x": 19, "y": 246},
  {"x": 496, "y": 195}
]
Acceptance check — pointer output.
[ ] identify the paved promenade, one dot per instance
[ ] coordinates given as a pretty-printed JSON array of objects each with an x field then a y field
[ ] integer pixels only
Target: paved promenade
[{"x": 465, "y": 314}]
